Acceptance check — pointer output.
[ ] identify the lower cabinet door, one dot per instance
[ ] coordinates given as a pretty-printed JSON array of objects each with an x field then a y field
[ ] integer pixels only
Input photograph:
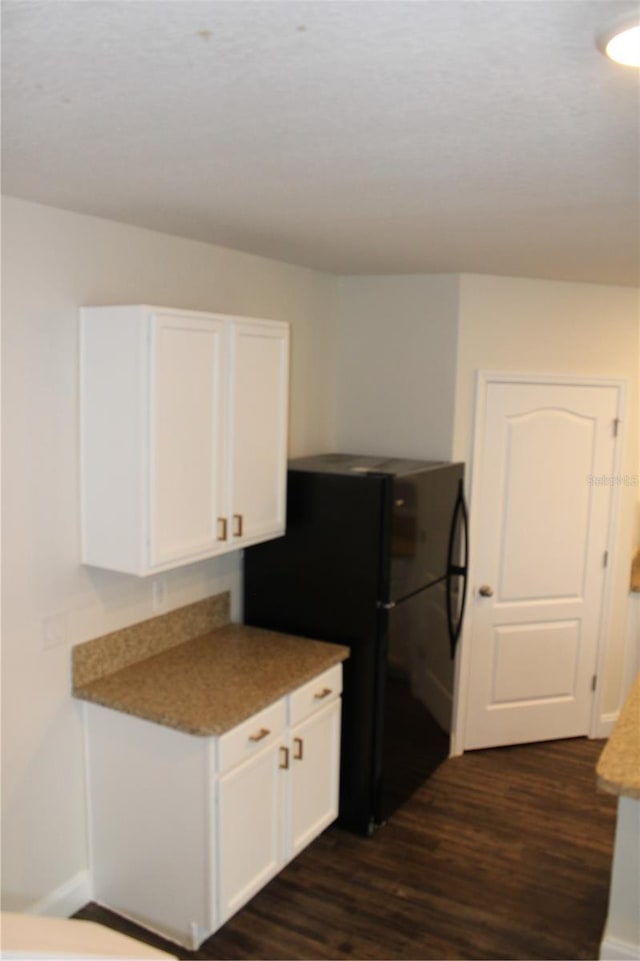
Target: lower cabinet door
[
  {"x": 314, "y": 776},
  {"x": 250, "y": 827}
]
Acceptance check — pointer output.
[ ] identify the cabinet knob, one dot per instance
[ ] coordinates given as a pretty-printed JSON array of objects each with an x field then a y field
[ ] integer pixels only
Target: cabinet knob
[
  {"x": 284, "y": 758},
  {"x": 325, "y": 692},
  {"x": 237, "y": 525},
  {"x": 299, "y": 748},
  {"x": 485, "y": 590},
  {"x": 222, "y": 528}
]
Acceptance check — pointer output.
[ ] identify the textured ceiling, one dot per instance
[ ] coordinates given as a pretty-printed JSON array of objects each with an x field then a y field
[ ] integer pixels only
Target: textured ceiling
[{"x": 484, "y": 136}]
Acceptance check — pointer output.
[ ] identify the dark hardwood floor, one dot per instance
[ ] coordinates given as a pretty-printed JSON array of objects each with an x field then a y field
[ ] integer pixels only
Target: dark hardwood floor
[{"x": 504, "y": 853}]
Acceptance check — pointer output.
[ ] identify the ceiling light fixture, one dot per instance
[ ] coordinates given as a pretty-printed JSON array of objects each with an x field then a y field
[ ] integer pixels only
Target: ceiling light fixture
[{"x": 622, "y": 42}]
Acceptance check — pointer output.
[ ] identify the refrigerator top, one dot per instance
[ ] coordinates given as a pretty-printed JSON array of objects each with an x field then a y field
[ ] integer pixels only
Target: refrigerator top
[{"x": 354, "y": 464}]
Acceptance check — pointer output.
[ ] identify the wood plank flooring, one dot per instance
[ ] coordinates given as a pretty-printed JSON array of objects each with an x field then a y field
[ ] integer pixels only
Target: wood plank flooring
[{"x": 503, "y": 853}]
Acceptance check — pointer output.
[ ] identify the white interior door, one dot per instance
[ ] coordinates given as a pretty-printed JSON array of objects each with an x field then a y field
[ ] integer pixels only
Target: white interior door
[{"x": 542, "y": 497}]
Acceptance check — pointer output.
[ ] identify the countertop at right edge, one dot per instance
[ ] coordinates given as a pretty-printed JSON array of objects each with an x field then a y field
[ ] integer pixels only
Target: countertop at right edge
[
  {"x": 618, "y": 768},
  {"x": 635, "y": 572}
]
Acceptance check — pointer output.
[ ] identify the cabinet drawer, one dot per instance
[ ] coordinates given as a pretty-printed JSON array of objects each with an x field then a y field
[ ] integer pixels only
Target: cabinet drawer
[
  {"x": 252, "y": 735},
  {"x": 315, "y": 694}
]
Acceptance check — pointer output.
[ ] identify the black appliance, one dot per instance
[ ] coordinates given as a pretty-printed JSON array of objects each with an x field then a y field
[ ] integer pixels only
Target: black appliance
[{"x": 374, "y": 557}]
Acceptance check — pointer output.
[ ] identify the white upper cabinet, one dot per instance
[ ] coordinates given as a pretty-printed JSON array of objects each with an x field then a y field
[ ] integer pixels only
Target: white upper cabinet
[
  {"x": 183, "y": 435},
  {"x": 258, "y": 398}
]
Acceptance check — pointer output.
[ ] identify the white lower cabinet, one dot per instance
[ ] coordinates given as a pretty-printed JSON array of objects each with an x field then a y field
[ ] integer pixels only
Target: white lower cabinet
[{"x": 186, "y": 829}]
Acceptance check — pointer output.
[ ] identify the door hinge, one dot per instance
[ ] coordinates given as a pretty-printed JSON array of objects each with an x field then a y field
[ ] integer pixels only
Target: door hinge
[
  {"x": 616, "y": 424},
  {"x": 605, "y": 558},
  {"x": 594, "y": 680}
]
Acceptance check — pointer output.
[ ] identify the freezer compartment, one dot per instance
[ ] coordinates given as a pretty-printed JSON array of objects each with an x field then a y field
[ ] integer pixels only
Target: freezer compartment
[
  {"x": 325, "y": 576},
  {"x": 423, "y": 506}
]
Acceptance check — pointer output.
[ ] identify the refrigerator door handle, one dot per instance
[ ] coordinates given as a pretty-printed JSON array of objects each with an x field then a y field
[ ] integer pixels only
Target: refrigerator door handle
[{"x": 455, "y": 569}]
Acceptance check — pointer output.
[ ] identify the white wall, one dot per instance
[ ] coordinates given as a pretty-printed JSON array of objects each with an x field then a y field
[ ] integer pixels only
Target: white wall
[
  {"x": 517, "y": 325},
  {"x": 396, "y": 365},
  {"x": 53, "y": 262}
]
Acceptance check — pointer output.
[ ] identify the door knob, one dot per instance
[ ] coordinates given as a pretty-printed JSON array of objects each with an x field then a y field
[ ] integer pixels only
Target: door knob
[{"x": 485, "y": 590}]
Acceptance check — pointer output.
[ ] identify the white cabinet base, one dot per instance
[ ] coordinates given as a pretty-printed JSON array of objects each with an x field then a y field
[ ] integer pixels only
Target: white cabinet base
[{"x": 184, "y": 830}]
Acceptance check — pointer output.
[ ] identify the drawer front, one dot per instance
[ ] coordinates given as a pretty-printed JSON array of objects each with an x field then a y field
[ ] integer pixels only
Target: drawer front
[
  {"x": 315, "y": 694},
  {"x": 248, "y": 738}
]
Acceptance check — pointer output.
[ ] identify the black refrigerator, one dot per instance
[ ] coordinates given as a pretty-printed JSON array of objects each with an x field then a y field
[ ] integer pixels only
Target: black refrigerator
[{"x": 374, "y": 557}]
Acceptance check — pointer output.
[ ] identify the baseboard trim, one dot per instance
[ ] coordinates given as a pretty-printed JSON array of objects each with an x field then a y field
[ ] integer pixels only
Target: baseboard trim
[
  {"x": 613, "y": 949},
  {"x": 66, "y": 899},
  {"x": 605, "y": 725}
]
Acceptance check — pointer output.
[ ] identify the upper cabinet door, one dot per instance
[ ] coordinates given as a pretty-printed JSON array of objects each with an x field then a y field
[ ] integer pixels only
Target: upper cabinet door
[
  {"x": 259, "y": 389},
  {"x": 183, "y": 435},
  {"x": 187, "y": 437}
]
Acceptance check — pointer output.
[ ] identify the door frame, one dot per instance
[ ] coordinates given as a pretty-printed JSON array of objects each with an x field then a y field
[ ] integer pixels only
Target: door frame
[{"x": 484, "y": 379}]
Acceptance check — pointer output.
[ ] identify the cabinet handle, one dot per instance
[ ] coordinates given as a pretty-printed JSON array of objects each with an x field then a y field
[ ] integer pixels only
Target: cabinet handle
[
  {"x": 222, "y": 525},
  {"x": 325, "y": 692},
  {"x": 237, "y": 525},
  {"x": 284, "y": 760},
  {"x": 299, "y": 749},
  {"x": 263, "y": 732}
]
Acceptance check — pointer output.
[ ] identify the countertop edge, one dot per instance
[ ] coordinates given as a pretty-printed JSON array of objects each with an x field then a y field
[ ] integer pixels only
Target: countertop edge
[
  {"x": 614, "y": 787},
  {"x": 618, "y": 767},
  {"x": 101, "y": 691}
]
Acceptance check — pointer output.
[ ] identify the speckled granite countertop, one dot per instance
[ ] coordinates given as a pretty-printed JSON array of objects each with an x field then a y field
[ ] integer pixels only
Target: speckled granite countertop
[
  {"x": 211, "y": 683},
  {"x": 618, "y": 768}
]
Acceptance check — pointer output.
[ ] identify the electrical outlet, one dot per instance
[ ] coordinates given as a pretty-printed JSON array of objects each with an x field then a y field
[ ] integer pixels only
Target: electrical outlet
[
  {"x": 158, "y": 592},
  {"x": 54, "y": 630}
]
